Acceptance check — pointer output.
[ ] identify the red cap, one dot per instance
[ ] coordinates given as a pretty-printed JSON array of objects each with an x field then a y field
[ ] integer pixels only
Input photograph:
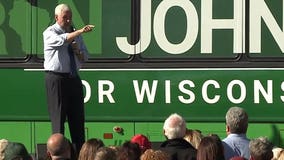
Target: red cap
[{"x": 142, "y": 140}]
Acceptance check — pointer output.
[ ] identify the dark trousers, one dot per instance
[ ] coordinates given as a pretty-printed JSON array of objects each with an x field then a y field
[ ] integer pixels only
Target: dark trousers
[{"x": 65, "y": 100}]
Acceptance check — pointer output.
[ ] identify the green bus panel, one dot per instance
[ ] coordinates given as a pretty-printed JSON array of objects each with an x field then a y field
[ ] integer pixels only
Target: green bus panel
[
  {"x": 193, "y": 93},
  {"x": 18, "y": 131},
  {"x": 23, "y": 95}
]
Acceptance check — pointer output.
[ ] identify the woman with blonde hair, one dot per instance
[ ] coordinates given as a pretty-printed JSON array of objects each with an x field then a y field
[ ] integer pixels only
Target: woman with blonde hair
[
  {"x": 151, "y": 154},
  {"x": 278, "y": 153},
  {"x": 90, "y": 148},
  {"x": 193, "y": 137}
]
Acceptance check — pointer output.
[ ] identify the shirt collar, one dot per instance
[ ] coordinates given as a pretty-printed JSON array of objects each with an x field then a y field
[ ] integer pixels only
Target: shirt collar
[
  {"x": 236, "y": 135},
  {"x": 58, "y": 28}
]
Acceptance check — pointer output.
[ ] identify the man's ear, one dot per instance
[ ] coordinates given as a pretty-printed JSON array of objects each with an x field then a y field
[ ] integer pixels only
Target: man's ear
[
  {"x": 227, "y": 129},
  {"x": 165, "y": 134}
]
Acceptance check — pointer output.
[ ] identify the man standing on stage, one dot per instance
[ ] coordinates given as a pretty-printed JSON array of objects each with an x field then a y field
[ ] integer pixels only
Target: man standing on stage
[{"x": 64, "y": 51}]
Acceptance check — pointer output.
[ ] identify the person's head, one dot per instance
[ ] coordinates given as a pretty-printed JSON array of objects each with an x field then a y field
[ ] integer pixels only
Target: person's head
[
  {"x": 63, "y": 15},
  {"x": 210, "y": 148},
  {"x": 174, "y": 127},
  {"x": 105, "y": 153},
  {"x": 58, "y": 147},
  {"x": 13, "y": 151},
  {"x": 278, "y": 153},
  {"x": 89, "y": 149},
  {"x": 129, "y": 151},
  {"x": 193, "y": 137},
  {"x": 151, "y": 154},
  {"x": 236, "y": 120},
  {"x": 142, "y": 141},
  {"x": 260, "y": 149}
]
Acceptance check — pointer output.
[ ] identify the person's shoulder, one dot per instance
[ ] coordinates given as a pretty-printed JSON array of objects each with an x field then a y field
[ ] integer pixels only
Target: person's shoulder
[
  {"x": 48, "y": 29},
  {"x": 228, "y": 142},
  {"x": 238, "y": 138},
  {"x": 186, "y": 144},
  {"x": 226, "y": 139},
  {"x": 231, "y": 137},
  {"x": 54, "y": 29}
]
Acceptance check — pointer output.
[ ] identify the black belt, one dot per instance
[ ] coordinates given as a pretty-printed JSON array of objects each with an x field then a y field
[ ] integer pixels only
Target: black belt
[{"x": 59, "y": 74}]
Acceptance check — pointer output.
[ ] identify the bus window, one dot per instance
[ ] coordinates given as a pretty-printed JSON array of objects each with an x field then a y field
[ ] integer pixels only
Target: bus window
[
  {"x": 191, "y": 29},
  {"x": 266, "y": 30},
  {"x": 15, "y": 30}
]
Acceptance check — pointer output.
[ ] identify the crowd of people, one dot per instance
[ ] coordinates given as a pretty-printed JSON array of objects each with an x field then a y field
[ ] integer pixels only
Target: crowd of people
[{"x": 181, "y": 143}]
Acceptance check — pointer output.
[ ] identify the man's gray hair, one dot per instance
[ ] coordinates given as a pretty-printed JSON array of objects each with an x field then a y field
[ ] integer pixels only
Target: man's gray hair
[
  {"x": 237, "y": 120},
  {"x": 174, "y": 126},
  {"x": 261, "y": 148},
  {"x": 61, "y": 8}
]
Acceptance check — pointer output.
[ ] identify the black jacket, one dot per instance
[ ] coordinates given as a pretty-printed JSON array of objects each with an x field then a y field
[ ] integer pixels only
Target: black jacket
[{"x": 179, "y": 149}]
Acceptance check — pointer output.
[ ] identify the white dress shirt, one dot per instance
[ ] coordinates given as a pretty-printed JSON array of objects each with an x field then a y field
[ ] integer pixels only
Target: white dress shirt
[{"x": 56, "y": 56}]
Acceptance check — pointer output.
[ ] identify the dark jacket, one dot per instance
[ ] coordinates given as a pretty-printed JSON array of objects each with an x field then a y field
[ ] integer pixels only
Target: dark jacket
[{"x": 179, "y": 149}]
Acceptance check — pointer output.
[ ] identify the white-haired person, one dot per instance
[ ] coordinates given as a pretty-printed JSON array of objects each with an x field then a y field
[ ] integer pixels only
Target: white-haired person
[{"x": 175, "y": 145}]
